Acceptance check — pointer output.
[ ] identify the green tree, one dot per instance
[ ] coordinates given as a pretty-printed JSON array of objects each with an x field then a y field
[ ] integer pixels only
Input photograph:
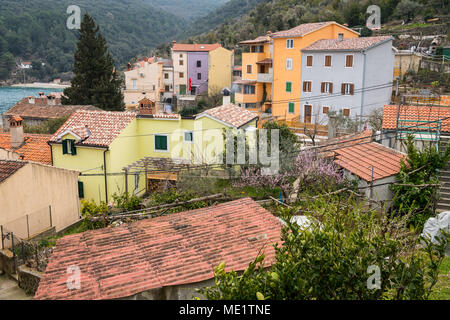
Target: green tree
[
  {"x": 418, "y": 176},
  {"x": 7, "y": 63},
  {"x": 407, "y": 9},
  {"x": 95, "y": 81}
]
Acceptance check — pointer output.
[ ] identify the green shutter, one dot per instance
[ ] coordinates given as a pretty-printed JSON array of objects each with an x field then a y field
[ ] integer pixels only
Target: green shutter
[
  {"x": 80, "y": 189},
  {"x": 291, "y": 107},
  {"x": 288, "y": 86},
  {"x": 183, "y": 89},
  {"x": 64, "y": 146},
  {"x": 160, "y": 142},
  {"x": 72, "y": 147}
]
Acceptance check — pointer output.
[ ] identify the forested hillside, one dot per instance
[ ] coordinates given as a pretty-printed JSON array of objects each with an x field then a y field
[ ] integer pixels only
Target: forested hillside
[
  {"x": 35, "y": 30},
  {"x": 277, "y": 15},
  {"x": 187, "y": 9}
]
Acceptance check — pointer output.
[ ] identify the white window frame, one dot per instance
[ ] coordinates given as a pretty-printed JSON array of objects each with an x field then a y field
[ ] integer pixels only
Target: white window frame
[
  {"x": 154, "y": 142},
  {"x": 288, "y": 42},
  {"x": 134, "y": 84},
  {"x": 306, "y": 62},
  {"x": 184, "y": 136},
  {"x": 325, "y": 87},
  {"x": 345, "y": 62},
  {"x": 325, "y": 59},
  {"x": 347, "y": 85},
  {"x": 289, "y": 60}
]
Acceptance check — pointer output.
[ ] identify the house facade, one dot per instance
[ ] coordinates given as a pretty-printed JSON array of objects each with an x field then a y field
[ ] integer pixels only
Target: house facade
[
  {"x": 201, "y": 68},
  {"x": 272, "y": 67},
  {"x": 352, "y": 76},
  {"x": 35, "y": 197},
  {"x": 151, "y": 78},
  {"x": 103, "y": 146}
]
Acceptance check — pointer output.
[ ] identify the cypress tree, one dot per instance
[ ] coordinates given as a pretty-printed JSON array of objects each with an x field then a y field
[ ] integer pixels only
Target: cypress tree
[{"x": 96, "y": 81}]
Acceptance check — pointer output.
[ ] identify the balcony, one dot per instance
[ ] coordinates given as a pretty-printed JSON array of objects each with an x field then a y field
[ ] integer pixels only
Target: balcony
[{"x": 266, "y": 77}]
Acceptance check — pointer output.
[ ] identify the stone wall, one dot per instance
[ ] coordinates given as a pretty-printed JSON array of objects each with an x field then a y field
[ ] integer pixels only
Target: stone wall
[{"x": 29, "y": 279}]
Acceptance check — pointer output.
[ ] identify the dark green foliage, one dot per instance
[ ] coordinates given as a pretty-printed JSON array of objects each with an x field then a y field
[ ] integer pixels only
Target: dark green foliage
[
  {"x": 95, "y": 81},
  {"x": 421, "y": 168},
  {"x": 7, "y": 64},
  {"x": 173, "y": 195},
  {"x": 330, "y": 259},
  {"x": 47, "y": 127},
  {"x": 91, "y": 210}
]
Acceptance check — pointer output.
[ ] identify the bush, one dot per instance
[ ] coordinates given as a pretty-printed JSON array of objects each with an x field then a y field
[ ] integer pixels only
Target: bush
[
  {"x": 334, "y": 258},
  {"x": 173, "y": 195},
  {"x": 127, "y": 202},
  {"x": 91, "y": 210},
  {"x": 46, "y": 127}
]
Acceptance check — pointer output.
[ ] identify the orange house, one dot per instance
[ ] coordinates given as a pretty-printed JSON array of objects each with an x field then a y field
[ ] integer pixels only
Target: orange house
[{"x": 273, "y": 62}]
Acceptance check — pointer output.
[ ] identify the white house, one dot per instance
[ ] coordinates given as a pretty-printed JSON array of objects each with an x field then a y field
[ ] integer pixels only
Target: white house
[{"x": 350, "y": 75}]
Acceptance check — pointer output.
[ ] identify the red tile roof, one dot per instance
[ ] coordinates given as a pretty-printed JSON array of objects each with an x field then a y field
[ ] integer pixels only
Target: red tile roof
[
  {"x": 231, "y": 114},
  {"x": 41, "y": 111},
  {"x": 359, "y": 160},
  {"x": 326, "y": 148},
  {"x": 350, "y": 44},
  {"x": 415, "y": 114},
  {"x": 97, "y": 128},
  {"x": 8, "y": 168},
  {"x": 195, "y": 47},
  {"x": 302, "y": 29},
  {"x": 35, "y": 147},
  {"x": 176, "y": 249},
  {"x": 260, "y": 39}
]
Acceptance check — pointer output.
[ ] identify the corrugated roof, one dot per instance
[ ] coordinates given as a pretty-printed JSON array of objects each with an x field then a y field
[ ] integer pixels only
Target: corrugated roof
[
  {"x": 103, "y": 126},
  {"x": 352, "y": 44},
  {"x": 360, "y": 159},
  {"x": 176, "y": 249}
]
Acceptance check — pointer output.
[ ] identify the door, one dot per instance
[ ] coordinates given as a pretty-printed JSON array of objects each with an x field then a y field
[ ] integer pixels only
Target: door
[
  {"x": 183, "y": 89},
  {"x": 308, "y": 112}
]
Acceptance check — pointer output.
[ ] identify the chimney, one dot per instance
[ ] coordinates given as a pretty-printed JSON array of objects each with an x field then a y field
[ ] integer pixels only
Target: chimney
[
  {"x": 51, "y": 101},
  {"x": 41, "y": 94},
  {"x": 226, "y": 100},
  {"x": 129, "y": 66},
  {"x": 16, "y": 131},
  {"x": 31, "y": 100},
  {"x": 340, "y": 37}
]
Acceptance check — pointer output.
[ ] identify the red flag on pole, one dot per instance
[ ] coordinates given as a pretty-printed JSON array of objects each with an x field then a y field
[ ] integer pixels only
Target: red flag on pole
[{"x": 190, "y": 84}]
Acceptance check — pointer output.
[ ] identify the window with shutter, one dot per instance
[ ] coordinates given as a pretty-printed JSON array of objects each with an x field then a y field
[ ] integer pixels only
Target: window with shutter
[
  {"x": 249, "y": 68},
  {"x": 306, "y": 86},
  {"x": 199, "y": 63},
  {"x": 290, "y": 43},
  {"x": 327, "y": 61},
  {"x": 288, "y": 64},
  {"x": 80, "y": 190},
  {"x": 64, "y": 146},
  {"x": 326, "y": 110},
  {"x": 199, "y": 76},
  {"x": 346, "y": 112},
  {"x": 161, "y": 143},
  {"x": 73, "y": 150},
  {"x": 327, "y": 87},
  {"x": 288, "y": 86},
  {"x": 352, "y": 89},
  {"x": 349, "y": 61},
  {"x": 309, "y": 61},
  {"x": 322, "y": 87},
  {"x": 291, "y": 107}
]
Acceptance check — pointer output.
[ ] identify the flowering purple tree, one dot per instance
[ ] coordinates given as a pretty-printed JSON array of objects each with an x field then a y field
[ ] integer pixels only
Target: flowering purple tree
[{"x": 309, "y": 168}]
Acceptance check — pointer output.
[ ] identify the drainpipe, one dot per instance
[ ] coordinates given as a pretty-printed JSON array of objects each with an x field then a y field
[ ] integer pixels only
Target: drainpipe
[
  {"x": 362, "y": 90},
  {"x": 104, "y": 170}
]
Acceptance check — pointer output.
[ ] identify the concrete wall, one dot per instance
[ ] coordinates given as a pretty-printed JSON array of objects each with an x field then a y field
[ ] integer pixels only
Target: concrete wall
[
  {"x": 8, "y": 155},
  {"x": 404, "y": 62},
  {"x": 180, "y": 292},
  {"x": 30, "y": 191},
  {"x": 193, "y": 70}
]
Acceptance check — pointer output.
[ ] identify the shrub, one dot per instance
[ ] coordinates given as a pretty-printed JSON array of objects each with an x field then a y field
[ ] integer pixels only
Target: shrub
[
  {"x": 127, "y": 202},
  {"x": 91, "y": 210}
]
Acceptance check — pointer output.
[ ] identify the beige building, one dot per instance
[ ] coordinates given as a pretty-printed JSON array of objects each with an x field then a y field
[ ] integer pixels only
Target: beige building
[
  {"x": 6, "y": 154},
  {"x": 151, "y": 78},
  {"x": 35, "y": 197},
  {"x": 404, "y": 61}
]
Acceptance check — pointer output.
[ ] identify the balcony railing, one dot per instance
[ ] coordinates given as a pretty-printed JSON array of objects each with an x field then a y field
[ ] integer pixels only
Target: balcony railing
[{"x": 265, "y": 77}]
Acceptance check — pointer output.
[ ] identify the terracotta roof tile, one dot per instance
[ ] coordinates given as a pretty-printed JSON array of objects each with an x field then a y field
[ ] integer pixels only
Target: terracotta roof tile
[
  {"x": 359, "y": 160},
  {"x": 8, "y": 168},
  {"x": 231, "y": 114},
  {"x": 195, "y": 47},
  {"x": 260, "y": 39},
  {"x": 326, "y": 148},
  {"x": 350, "y": 44},
  {"x": 301, "y": 30},
  {"x": 35, "y": 147},
  {"x": 98, "y": 128},
  {"x": 176, "y": 249},
  {"x": 41, "y": 111},
  {"x": 416, "y": 114}
]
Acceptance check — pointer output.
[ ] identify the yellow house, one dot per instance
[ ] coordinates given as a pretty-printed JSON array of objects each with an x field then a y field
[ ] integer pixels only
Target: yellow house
[
  {"x": 114, "y": 150},
  {"x": 274, "y": 62},
  {"x": 220, "y": 73}
]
